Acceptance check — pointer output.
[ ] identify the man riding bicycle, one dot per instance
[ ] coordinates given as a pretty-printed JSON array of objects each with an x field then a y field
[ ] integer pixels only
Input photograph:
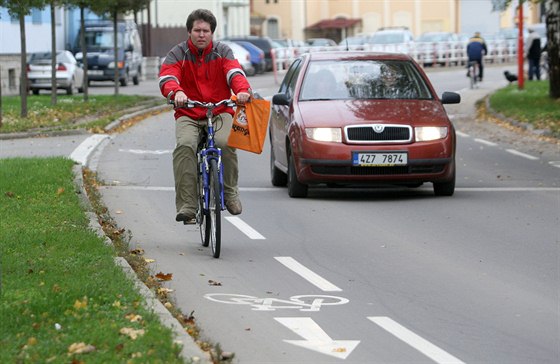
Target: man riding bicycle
[
  {"x": 476, "y": 49},
  {"x": 199, "y": 69}
]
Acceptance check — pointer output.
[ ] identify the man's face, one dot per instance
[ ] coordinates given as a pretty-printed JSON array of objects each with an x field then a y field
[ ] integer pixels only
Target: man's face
[{"x": 201, "y": 34}]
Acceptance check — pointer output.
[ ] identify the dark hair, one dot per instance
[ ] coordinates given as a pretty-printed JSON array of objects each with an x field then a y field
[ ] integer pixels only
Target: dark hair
[{"x": 204, "y": 15}]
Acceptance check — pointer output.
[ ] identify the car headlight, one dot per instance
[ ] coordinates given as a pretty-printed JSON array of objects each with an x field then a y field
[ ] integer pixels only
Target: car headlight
[
  {"x": 427, "y": 133},
  {"x": 112, "y": 64},
  {"x": 324, "y": 134}
]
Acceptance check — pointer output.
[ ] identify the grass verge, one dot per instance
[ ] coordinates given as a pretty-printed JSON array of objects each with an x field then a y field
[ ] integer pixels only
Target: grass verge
[
  {"x": 63, "y": 299},
  {"x": 70, "y": 112},
  {"x": 530, "y": 106}
]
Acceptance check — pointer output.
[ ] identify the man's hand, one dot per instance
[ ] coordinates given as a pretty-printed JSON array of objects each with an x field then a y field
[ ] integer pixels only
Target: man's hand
[
  {"x": 243, "y": 97},
  {"x": 180, "y": 99}
]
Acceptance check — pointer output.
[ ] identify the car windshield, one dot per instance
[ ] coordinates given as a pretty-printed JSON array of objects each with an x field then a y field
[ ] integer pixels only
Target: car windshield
[
  {"x": 387, "y": 38},
  {"x": 45, "y": 58},
  {"x": 102, "y": 39},
  {"x": 363, "y": 79}
]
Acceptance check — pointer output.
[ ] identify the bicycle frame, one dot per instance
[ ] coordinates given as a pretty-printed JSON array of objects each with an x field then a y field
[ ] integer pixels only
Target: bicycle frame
[
  {"x": 210, "y": 178},
  {"x": 208, "y": 152}
]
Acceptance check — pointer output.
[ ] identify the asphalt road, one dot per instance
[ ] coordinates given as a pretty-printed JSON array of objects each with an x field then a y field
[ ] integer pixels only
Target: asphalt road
[{"x": 361, "y": 276}]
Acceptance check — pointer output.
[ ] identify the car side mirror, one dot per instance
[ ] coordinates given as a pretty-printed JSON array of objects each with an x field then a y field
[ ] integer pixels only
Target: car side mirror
[
  {"x": 280, "y": 99},
  {"x": 450, "y": 98}
]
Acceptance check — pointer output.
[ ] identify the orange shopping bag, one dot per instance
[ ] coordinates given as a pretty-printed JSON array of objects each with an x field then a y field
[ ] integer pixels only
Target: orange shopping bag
[{"x": 250, "y": 123}]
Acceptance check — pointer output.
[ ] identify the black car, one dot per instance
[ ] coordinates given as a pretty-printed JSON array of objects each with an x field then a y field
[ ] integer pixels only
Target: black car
[{"x": 263, "y": 43}]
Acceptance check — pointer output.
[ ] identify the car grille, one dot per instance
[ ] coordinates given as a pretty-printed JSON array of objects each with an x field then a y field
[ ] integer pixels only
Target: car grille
[
  {"x": 378, "y": 133},
  {"x": 377, "y": 171}
]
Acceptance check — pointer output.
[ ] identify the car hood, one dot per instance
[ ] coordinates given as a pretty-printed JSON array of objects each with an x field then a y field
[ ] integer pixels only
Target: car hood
[{"x": 340, "y": 113}]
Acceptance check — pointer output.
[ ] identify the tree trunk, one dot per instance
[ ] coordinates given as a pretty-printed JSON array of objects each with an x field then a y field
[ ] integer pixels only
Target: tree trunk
[
  {"x": 53, "y": 55},
  {"x": 23, "y": 82},
  {"x": 84, "y": 52},
  {"x": 553, "y": 46},
  {"x": 0, "y": 96}
]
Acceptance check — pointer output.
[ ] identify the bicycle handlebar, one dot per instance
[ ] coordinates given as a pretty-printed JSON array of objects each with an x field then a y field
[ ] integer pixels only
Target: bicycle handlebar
[{"x": 208, "y": 105}]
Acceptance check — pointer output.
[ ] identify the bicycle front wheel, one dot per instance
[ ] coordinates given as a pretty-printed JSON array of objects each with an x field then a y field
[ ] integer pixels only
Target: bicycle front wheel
[
  {"x": 202, "y": 215},
  {"x": 215, "y": 208}
]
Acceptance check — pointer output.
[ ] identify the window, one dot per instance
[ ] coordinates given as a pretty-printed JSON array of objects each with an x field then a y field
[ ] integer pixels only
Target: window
[{"x": 36, "y": 16}]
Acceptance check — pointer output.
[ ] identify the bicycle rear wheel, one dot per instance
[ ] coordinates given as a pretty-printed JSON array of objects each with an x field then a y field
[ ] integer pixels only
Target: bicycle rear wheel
[{"x": 215, "y": 208}]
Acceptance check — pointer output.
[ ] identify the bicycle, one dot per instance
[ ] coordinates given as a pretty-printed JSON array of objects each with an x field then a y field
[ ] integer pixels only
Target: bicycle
[
  {"x": 210, "y": 182},
  {"x": 472, "y": 73}
]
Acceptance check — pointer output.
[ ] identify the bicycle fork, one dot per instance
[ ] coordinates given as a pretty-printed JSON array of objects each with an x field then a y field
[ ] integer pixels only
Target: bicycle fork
[{"x": 207, "y": 155}]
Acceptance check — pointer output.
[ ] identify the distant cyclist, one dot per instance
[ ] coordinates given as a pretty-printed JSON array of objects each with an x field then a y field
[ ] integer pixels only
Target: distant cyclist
[{"x": 476, "y": 50}]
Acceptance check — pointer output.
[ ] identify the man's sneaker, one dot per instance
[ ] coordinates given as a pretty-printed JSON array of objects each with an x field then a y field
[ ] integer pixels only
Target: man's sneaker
[
  {"x": 185, "y": 217},
  {"x": 234, "y": 206}
]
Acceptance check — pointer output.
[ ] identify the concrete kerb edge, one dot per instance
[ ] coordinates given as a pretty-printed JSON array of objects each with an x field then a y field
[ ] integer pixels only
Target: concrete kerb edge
[{"x": 190, "y": 351}]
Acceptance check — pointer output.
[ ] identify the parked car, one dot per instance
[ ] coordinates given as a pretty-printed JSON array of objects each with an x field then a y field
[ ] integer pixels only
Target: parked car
[
  {"x": 355, "y": 42},
  {"x": 263, "y": 43},
  {"x": 439, "y": 47},
  {"x": 360, "y": 118},
  {"x": 100, "y": 55},
  {"x": 257, "y": 55},
  {"x": 69, "y": 75},
  {"x": 320, "y": 42},
  {"x": 392, "y": 39},
  {"x": 243, "y": 57}
]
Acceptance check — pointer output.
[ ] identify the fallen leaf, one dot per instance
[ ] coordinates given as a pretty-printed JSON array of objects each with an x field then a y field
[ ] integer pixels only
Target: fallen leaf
[
  {"x": 339, "y": 350},
  {"x": 60, "y": 191},
  {"x": 32, "y": 341},
  {"x": 137, "y": 251},
  {"x": 10, "y": 194},
  {"x": 168, "y": 305},
  {"x": 164, "y": 277},
  {"x": 81, "y": 304},
  {"x": 148, "y": 260},
  {"x": 132, "y": 333},
  {"x": 80, "y": 348},
  {"x": 133, "y": 317},
  {"x": 214, "y": 283},
  {"x": 118, "y": 212}
]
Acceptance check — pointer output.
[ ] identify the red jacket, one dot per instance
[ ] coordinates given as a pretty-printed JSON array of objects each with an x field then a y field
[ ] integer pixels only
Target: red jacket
[{"x": 209, "y": 76}]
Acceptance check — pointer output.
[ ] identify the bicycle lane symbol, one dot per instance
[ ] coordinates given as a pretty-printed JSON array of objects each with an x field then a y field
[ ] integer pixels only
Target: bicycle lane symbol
[{"x": 303, "y": 303}]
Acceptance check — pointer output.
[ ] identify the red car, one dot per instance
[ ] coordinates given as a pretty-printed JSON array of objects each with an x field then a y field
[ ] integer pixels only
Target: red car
[{"x": 359, "y": 118}]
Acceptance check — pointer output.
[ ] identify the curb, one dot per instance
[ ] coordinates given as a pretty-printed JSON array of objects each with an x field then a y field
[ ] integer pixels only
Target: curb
[
  {"x": 107, "y": 129},
  {"x": 190, "y": 351}
]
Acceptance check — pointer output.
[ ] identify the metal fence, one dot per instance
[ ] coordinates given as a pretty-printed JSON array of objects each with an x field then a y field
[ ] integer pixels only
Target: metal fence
[{"x": 426, "y": 54}]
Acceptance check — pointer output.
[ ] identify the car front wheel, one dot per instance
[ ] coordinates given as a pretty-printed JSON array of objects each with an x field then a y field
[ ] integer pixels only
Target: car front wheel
[
  {"x": 277, "y": 177},
  {"x": 445, "y": 188},
  {"x": 295, "y": 188}
]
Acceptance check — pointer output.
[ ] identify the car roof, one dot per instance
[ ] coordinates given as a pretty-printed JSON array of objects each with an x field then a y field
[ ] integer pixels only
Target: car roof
[{"x": 342, "y": 55}]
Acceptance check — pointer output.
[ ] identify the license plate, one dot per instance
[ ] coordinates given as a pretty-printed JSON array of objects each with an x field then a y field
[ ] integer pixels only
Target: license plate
[
  {"x": 95, "y": 72},
  {"x": 386, "y": 159}
]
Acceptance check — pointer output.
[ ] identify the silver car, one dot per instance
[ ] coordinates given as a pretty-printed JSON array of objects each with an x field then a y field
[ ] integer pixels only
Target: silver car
[{"x": 69, "y": 75}]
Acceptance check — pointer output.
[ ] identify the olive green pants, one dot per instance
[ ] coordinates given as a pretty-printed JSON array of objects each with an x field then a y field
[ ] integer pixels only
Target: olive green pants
[{"x": 187, "y": 133}]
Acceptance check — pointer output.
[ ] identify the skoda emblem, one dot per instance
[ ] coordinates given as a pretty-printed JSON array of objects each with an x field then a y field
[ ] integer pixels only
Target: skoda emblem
[{"x": 378, "y": 128}]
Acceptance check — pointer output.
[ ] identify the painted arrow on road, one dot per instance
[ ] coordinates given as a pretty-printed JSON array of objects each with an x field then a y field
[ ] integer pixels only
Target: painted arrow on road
[{"x": 315, "y": 338}]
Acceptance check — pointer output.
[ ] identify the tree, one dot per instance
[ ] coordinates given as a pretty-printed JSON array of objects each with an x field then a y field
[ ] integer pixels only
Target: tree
[
  {"x": 21, "y": 8},
  {"x": 552, "y": 9},
  {"x": 82, "y": 5}
]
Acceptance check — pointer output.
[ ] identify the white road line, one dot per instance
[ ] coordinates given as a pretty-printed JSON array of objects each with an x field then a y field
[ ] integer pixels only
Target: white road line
[
  {"x": 485, "y": 142},
  {"x": 461, "y": 134},
  {"x": 555, "y": 164},
  {"x": 515, "y": 152},
  {"x": 307, "y": 274},
  {"x": 245, "y": 228},
  {"x": 464, "y": 189},
  {"x": 417, "y": 342},
  {"x": 82, "y": 152},
  {"x": 143, "y": 151}
]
